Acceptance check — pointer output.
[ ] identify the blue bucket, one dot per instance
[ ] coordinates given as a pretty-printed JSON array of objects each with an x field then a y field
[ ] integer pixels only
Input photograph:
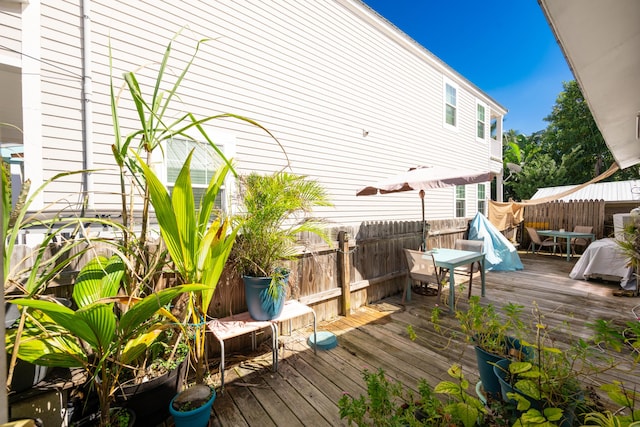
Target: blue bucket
[{"x": 198, "y": 417}]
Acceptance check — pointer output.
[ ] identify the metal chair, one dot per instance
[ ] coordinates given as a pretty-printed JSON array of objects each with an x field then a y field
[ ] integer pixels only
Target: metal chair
[
  {"x": 474, "y": 267},
  {"x": 422, "y": 270},
  {"x": 536, "y": 240},
  {"x": 579, "y": 241}
]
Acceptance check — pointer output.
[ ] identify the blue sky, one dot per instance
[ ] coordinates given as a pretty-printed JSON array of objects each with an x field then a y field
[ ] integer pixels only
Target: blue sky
[{"x": 505, "y": 47}]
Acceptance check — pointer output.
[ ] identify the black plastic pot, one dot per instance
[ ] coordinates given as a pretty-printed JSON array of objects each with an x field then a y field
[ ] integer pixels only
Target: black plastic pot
[
  {"x": 93, "y": 420},
  {"x": 150, "y": 400}
]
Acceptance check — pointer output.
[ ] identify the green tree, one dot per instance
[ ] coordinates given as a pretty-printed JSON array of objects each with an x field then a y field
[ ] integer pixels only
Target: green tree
[
  {"x": 526, "y": 168},
  {"x": 572, "y": 139},
  {"x": 541, "y": 171}
]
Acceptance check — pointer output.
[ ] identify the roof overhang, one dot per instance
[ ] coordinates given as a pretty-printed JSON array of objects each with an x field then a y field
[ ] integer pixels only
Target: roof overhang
[{"x": 601, "y": 41}]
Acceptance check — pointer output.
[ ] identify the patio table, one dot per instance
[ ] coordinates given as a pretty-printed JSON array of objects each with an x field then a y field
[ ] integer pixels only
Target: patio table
[
  {"x": 567, "y": 235},
  {"x": 453, "y": 258}
]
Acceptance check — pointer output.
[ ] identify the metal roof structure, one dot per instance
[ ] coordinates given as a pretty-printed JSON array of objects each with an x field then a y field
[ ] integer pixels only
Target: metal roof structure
[{"x": 614, "y": 191}]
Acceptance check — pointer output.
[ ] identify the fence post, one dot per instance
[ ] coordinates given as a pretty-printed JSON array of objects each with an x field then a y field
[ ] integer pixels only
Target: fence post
[{"x": 344, "y": 273}]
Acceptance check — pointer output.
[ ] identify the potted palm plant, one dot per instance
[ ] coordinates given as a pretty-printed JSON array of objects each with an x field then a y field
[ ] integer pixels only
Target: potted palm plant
[{"x": 274, "y": 212}]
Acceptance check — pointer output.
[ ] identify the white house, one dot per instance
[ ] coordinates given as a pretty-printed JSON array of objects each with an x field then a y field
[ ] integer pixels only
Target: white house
[{"x": 350, "y": 97}]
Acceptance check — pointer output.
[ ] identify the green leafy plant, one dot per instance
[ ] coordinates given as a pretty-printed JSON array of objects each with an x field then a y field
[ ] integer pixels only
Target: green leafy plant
[
  {"x": 388, "y": 403},
  {"x": 30, "y": 276},
  {"x": 198, "y": 240},
  {"x": 274, "y": 213},
  {"x": 548, "y": 388},
  {"x": 198, "y": 247},
  {"x": 487, "y": 328},
  {"x": 462, "y": 405},
  {"x": 106, "y": 332}
]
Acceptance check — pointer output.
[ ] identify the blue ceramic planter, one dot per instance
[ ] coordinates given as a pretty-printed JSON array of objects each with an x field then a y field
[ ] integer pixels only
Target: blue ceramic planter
[
  {"x": 486, "y": 360},
  {"x": 259, "y": 303},
  {"x": 198, "y": 417},
  {"x": 501, "y": 370}
]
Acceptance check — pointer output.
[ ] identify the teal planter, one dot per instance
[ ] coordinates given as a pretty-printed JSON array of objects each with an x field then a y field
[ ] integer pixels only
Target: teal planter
[
  {"x": 490, "y": 382},
  {"x": 259, "y": 303},
  {"x": 198, "y": 417},
  {"x": 486, "y": 360},
  {"x": 501, "y": 370}
]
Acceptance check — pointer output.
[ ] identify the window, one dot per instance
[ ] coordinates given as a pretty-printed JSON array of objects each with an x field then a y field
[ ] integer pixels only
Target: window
[
  {"x": 482, "y": 199},
  {"x": 450, "y": 105},
  {"x": 204, "y": 163},
  {"x": 494, "y": 128},
  {"x": 480, "y": 120},
  {"x": 461, "y": 203}
]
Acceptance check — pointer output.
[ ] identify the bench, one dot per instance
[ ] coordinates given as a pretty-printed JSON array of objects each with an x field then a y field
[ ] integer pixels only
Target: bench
[{"x": 242, "y": 324}]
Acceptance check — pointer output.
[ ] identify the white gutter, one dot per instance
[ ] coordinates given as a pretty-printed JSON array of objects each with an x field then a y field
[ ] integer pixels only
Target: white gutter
[{"x": 87, "y": 111}]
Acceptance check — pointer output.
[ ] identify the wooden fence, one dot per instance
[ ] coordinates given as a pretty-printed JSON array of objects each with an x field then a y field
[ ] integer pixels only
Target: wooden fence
[
  {"x": 364, "y": 264},
  {"x": 558, "y": 214},
  {"x": 367, "y": 261}
]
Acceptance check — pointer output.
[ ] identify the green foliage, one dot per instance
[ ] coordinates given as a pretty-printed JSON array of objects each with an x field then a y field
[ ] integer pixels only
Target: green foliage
[
  {"x": 575, "y": 143},
  {"x": 388, "y": 403},
  {"x": 198, "y": 241},
  {"x": 542, "y": 171},
  {"x": 32, "y": 278},
  {"x": 106, "y": 332},
  {"x": 486, "y": 327},
  {"x": 572, "y": 137},
  {"x": 524, "y": 152},
  {"x": 462, "y": 406},
  {"x": 274, "y": 213},
  {"x": 571, "y": 150},
  {"x": 199, "y": 247}
]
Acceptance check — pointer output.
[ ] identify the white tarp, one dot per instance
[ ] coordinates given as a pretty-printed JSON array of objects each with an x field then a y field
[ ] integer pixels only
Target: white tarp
[{"x": 603, "y": 259}]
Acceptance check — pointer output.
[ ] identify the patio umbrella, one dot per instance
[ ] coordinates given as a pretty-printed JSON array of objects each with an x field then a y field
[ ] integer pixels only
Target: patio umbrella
[{"x": 424, "y": 178}]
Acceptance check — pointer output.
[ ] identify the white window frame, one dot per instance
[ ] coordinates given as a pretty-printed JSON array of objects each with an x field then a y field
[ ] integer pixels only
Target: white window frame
[
  {"x": 482, "y": 201},
  {"x": 483, "y": 122},
  {"x": 226, "y": 144},
  {"x": 456, "y": 118},
  {"x": 462, "y": 199}
]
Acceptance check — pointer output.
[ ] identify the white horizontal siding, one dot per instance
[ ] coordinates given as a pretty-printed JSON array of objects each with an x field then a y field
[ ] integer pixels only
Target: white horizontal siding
[
  {"x": 61, "y": 84},
  {"x": 316, "y": 74},
  {"x": 11, "y": 23}
]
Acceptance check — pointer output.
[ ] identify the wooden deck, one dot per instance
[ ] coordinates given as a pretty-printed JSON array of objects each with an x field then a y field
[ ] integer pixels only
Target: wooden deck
[{"x": 307, "y": 387}]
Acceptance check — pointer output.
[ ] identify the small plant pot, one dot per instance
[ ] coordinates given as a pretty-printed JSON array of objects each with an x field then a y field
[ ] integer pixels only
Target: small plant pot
[{"x": 198, "y": 416}]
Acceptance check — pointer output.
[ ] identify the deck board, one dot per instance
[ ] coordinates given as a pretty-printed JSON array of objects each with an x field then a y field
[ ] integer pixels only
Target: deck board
[{"x": 307, "y": 386}]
